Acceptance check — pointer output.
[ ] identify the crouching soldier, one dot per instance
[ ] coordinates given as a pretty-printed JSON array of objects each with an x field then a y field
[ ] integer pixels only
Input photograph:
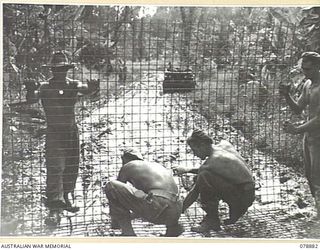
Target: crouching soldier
[
  {"x": 223, "y": 176},
  {"x": 152, "y": 196},
  {"x": 58, "y": 97}
]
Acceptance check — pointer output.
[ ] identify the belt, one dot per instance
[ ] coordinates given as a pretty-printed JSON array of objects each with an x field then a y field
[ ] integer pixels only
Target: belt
[{"x": 165, "y": 194}]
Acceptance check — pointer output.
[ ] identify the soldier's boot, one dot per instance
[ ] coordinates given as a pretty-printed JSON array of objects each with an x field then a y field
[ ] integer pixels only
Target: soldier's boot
[
  {"x": 124, "y": 223},
  {"x": 211, "y": 221},
  {"x": 126, "y": 228},
  {"x": 208, "y": 223},
  {"x": 53, "y": 219},
  {"x": 69, "y": 206},
  {"x": 115, "y": 224},
  {"x": 235, "y": 212},
  {"x": 174, "y": 230}
]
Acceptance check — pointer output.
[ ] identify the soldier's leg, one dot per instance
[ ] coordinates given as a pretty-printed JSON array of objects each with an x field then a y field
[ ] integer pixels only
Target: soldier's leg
[
  {"x": 209, "y": 195},
  {"x": 307, "y": 163},
  {"x": 121, "y": 200},
  {"x": 71, "y": 170},
  {"x": 170, "y": 217},
  {"x": 239, "y": 198},
  {"x": 236, "y": 210},
  {"x": 55, "y": 164},
  {"x": 314, "y": 149}
]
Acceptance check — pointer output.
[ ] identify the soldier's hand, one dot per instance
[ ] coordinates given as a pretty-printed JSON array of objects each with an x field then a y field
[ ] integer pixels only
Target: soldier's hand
[
  {"x": 284, "y": 89},
  {"x": 31, "y": 84},
  {"x": 94, "y": 84},
  {"x": 288, "y": 127}
]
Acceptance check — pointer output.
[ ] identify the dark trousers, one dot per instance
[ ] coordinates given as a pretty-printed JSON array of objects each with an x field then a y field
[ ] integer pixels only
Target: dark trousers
[
  {"x": 62, "y": 162},
  {"x": 311, "y": 151},
  {"x": 124, "y": 198},
  {"x": 214, "y": 188}
]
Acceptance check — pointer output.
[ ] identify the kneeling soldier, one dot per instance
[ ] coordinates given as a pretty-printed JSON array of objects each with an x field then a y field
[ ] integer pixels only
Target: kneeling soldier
[
  {"x": 223, "y": 176},
  {"x": 153, "y": 195}
]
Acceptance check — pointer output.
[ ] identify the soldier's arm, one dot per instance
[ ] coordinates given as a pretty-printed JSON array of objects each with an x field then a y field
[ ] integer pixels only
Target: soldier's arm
[
  {"x": 33, "y": 96},
  {"x": 33, "y": 91},
  {"x": 191, "y": 197},
  {"x": 296, "y": 106},
  {"x": 89, "y": 87},
  {"x": 184, "y": 170},
  {"x": 310, "y": 125}
]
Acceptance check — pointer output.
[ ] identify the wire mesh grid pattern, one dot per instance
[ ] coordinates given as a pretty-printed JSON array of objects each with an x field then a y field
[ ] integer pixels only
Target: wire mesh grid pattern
[{"x": 235, "y": 98}]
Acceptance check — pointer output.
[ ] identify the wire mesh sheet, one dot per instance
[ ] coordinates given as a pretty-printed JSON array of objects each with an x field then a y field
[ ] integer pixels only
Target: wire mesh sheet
[{"x": 234, "y": 71}]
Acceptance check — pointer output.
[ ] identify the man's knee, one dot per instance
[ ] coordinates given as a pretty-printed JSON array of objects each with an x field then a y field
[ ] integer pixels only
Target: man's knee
[
  {"x": 205, "y": 180},
  {"x": 117, "y": 188},
  {"x": 240, "y": 206},
  {"x": 212, "y": 187},
  {"x": 112, "y": 188}
]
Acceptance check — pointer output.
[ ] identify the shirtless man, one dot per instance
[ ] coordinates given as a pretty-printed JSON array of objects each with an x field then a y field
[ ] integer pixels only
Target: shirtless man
[
  {"x": 223, "y": 176},
  {"x": 152, "y": 194},
  {"x": 308, "y": 100},
  {"x": 58, "y": 97}
]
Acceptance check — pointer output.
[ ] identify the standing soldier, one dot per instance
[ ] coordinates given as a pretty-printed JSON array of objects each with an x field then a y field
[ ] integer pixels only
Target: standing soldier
[
  {"x": 308, "y": 100},
  {"x": 58, "y": 97}
]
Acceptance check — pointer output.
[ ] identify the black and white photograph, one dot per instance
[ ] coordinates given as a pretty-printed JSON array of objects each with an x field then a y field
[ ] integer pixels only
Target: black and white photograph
[{"x": 156, "y": 121}]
